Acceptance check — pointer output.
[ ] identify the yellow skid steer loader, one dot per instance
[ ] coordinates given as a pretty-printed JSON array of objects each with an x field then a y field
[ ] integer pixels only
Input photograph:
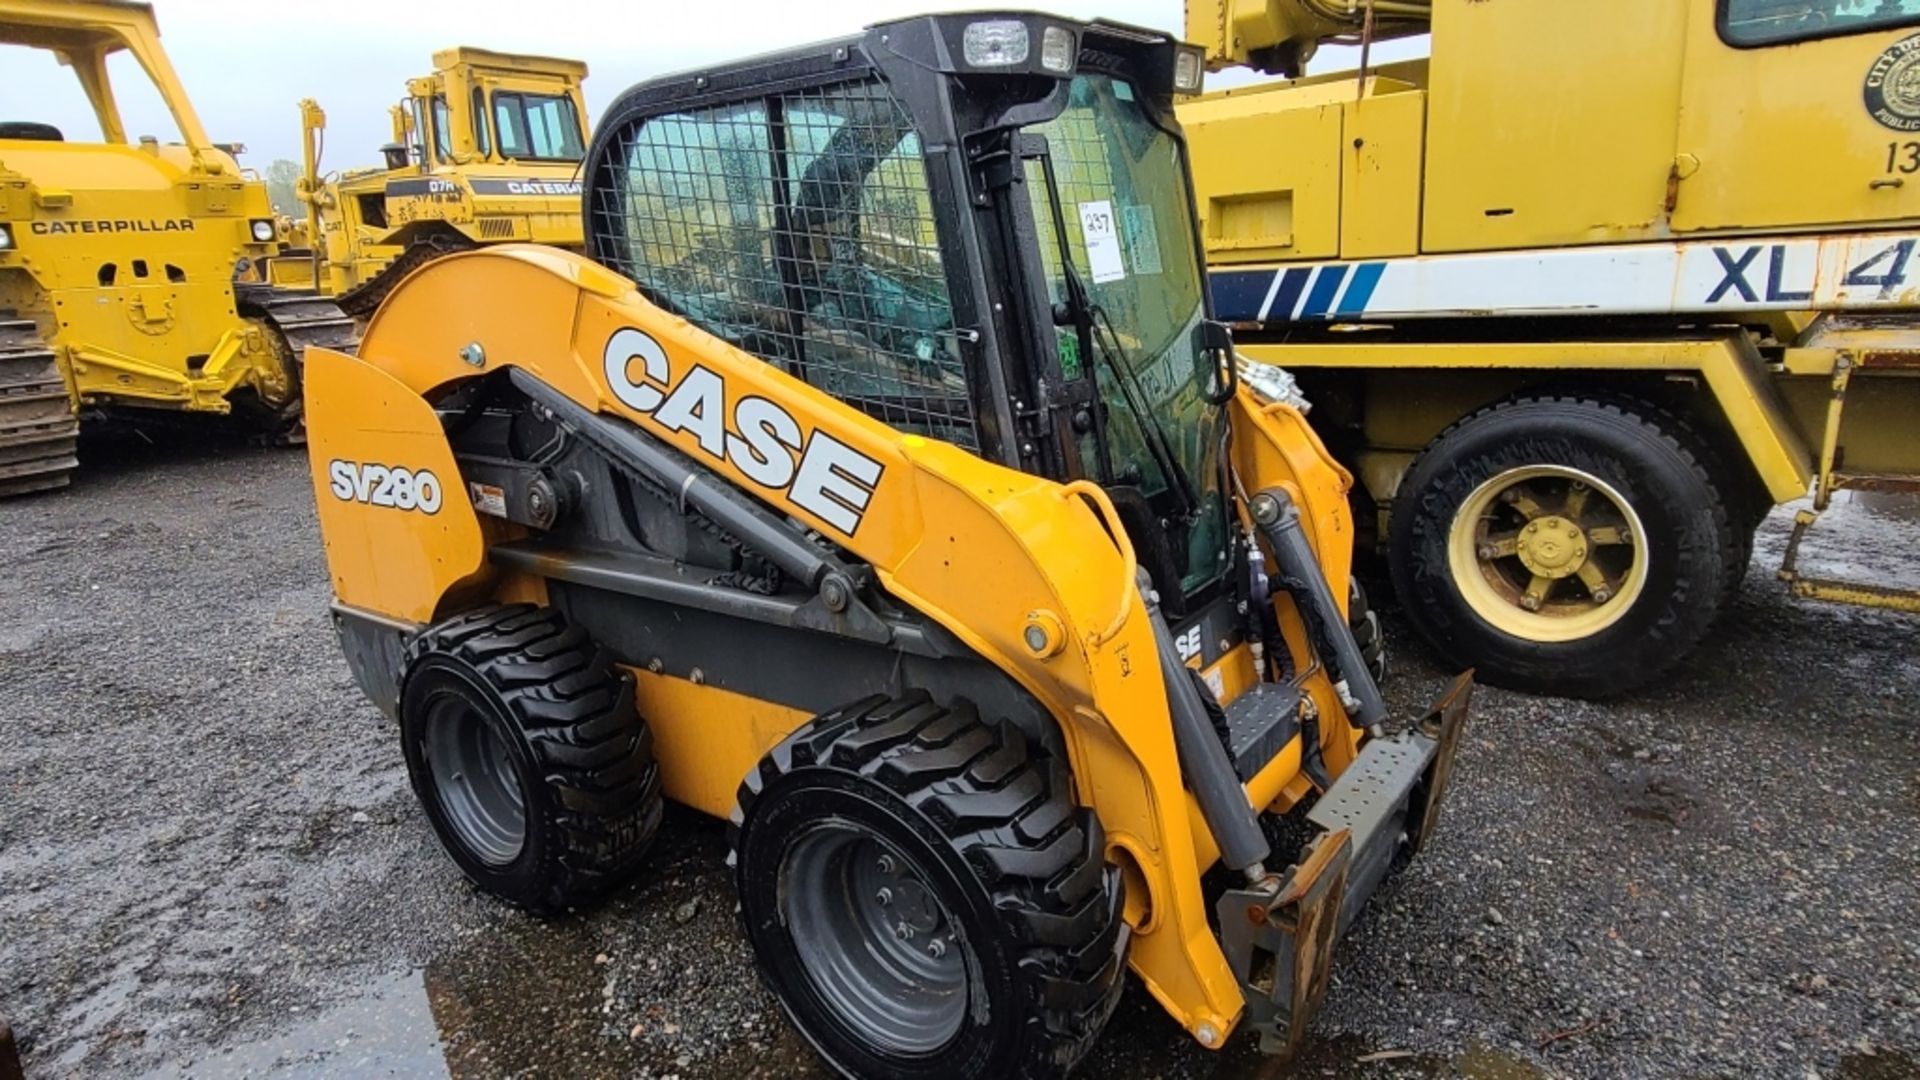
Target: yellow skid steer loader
[{"x": 881, "y": 485}]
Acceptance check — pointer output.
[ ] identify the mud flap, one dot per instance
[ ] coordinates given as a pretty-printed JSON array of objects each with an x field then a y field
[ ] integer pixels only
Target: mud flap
[{"x": 1279, "y": 935}]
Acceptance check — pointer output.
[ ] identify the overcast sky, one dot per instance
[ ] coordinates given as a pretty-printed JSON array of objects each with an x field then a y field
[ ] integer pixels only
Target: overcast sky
[{"x": 246, "y": 63}]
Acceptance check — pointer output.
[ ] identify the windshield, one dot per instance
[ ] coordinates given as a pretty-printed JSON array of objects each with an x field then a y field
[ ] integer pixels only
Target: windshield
[
  {"x": 537, "y": 127},
  {"x": 1125, "y": 203}
]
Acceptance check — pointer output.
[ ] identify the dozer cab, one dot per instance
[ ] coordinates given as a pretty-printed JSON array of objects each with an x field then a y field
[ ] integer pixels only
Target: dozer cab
[
  {"x": 881, "y": 485},
  {"x": 121, "y": 263},
  {"x": 485, "y": 150}
]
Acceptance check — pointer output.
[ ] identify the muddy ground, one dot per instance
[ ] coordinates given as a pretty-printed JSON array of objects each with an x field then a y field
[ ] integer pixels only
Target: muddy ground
[{"x": 211, "y": 865}]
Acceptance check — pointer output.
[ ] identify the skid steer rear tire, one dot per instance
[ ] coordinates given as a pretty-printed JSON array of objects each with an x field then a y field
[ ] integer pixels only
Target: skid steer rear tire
[
  {"x": 526, "y": 752},
  {"x": 924, "y": 896}
]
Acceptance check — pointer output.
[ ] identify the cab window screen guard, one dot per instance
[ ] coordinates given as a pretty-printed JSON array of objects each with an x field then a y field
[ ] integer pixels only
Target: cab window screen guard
[
  {"x": 1748, "y": 23},
  {"x": 799, "y": 227},
  {"x": 537, "y": 127}
]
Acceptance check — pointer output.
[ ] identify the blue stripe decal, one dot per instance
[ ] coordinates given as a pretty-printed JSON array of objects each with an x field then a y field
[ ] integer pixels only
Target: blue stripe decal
[
  {"x": 1237, "y": 294},
  {"x": 1365, "y": 277},
  {"x": 1326, "y": 285},
  {"x": 1281, "y": 310}
]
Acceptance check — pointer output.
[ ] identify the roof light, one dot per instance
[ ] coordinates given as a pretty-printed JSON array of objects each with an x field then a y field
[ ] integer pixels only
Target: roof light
[
  {"x": 995, "y": 43},
  {"x": 1056, "y": 50},
  {"x": 1188, "y": 70}
]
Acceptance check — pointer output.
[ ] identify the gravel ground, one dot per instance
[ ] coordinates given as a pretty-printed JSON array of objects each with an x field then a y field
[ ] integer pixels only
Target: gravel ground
[{"x": 210, "y": 863}]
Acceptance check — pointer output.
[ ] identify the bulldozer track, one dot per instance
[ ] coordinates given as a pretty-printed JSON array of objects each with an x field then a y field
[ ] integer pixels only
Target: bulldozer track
[
  {"x": 39, "y": 433},
  {"x": 302, "y": 319},
  {"x": 361, "y": 301}
]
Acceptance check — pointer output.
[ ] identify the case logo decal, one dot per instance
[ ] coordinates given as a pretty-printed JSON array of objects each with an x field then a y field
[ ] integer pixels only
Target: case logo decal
[
  {"x": 1893, "y": 86},
  {"x": 820, "y": 474}
]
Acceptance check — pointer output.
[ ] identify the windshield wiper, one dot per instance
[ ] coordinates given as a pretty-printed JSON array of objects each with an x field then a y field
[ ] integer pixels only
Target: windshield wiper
[
  {"x": 1108, "y": 346},
  {"x": 1089, "y": 319}
]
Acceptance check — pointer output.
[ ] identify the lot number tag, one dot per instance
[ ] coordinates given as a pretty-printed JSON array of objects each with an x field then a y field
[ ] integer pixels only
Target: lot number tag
[{"x": 1103, "y": 241}]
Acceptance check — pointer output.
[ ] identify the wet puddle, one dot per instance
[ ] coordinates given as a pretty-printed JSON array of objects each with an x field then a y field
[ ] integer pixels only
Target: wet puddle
[{"x": 390, "y": 1032}]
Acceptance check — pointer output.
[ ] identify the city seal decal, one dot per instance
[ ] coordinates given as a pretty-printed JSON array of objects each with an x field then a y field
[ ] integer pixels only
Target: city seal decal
[{"x": 1893, "y": 86}]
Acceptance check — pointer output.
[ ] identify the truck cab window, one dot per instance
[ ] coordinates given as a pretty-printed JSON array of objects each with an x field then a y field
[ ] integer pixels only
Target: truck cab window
[
  {"x": 537, "y": 127},
  {"x": 1779, "y": 22},
  {"x": 442, "y": 129},
  {"x": 480, "y": 141}
]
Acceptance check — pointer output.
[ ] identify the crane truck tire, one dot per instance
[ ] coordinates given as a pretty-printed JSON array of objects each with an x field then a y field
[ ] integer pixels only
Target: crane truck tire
[
  {"x": 1562, "y": 543},
  {"x": 925, "y": 896},
  {"x": 525, "y": 749},
  {"x": 1365, "y": 623}
]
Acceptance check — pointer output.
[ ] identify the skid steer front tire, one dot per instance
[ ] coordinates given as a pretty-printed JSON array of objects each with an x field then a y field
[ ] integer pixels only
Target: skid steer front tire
[
  {"x": 924, "y": 896},
  {"x": 528, "y": 756}
]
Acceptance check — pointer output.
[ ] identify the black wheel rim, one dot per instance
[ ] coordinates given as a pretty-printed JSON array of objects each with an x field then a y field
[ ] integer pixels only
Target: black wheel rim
[
  {"x": 474, "y": 781},
  {"x": 875, "y": 941}
]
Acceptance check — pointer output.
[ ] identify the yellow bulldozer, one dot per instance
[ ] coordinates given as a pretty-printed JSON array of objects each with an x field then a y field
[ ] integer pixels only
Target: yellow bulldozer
[
  {"x": 128, "y": 268},
  {"x": 880, "y": 483},
  {"x": 1580, "y": 297},
  {"x": 485, "y": 150}
]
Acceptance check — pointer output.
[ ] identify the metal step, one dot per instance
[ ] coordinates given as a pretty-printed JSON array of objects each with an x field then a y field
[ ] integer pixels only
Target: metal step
[{"x": 1260, "y": 723}]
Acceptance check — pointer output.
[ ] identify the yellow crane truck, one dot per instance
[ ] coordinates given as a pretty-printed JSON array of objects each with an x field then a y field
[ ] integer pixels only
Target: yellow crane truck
[
  {"x": 128, "y": 276},
  {"x": 485, "y": 150},
  {"x": 1580, "y": 296},
  {"x": 865, "y": 488}
]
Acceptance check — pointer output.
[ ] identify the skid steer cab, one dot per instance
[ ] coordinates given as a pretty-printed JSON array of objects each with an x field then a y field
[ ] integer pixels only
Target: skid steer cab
[{"x": 881, "y": 485}]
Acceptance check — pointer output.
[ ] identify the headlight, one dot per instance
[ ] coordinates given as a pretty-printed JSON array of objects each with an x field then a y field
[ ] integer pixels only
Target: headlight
[
  {"x": 262, "y": 230},
  {"x": 1056, "y": 50},
  {"x": 994, "y": 43},
  {"x": 6, "y": 238},
  {"x": 1189, "y": 68}
]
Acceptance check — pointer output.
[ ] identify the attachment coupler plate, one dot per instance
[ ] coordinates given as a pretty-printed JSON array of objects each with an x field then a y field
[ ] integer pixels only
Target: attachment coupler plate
[{"x": 1279, "y": 935}]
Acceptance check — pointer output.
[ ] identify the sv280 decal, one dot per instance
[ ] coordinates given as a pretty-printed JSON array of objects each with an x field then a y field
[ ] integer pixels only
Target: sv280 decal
[{"x": 393, "y": 486}]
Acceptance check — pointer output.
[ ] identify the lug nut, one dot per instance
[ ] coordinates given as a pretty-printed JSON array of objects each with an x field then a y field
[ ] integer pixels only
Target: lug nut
[
  {"x": 903, "y": 931},
  {"x": 1602, "y": 595},
  {"x": 885, "y": 865},
  {"x": 1531, "y": 603},
  {"x": 1486, "y": 551},
  {"x": 936, "y": 948},
  {"x": 883, "y": 897}
]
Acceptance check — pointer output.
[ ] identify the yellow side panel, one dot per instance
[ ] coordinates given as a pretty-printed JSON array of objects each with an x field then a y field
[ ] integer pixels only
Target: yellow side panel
[
  {"x": 1266, "y": 180},
  {"x": 1380, "y": 183},
  {"x": 1551, "y": 121},
  {"x": 707, "y": 738},
  {"x": 1784, "y": 136},
  {"x": 393, "y": 548}
]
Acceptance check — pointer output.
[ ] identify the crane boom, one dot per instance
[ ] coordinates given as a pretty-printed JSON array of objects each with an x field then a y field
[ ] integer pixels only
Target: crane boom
[{"x": 1279, "y": 36}]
